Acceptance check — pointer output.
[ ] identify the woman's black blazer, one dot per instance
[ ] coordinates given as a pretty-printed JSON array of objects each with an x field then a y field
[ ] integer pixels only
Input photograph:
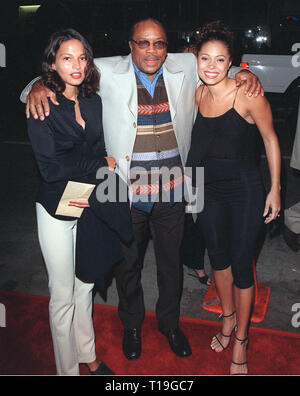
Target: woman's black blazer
[{"x": 65, "y": 151}]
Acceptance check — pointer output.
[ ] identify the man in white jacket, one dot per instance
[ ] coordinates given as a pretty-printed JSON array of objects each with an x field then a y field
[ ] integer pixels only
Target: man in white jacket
[{"x": 148, "y": 115}]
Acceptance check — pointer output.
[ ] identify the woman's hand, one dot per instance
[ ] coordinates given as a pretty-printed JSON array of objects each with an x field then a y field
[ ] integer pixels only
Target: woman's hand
[
  {"x": 272, "y": 205},
  {"x": 79, "y": 203},
  {"x": 111, "y": 163},
  {"x": 83, "y": 202}
]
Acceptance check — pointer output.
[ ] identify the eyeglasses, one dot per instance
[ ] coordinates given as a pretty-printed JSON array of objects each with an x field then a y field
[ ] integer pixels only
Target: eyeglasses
[{"x": 143, "y": 44}]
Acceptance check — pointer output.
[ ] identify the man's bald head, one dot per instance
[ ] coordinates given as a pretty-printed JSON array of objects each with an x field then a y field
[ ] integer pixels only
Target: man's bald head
[{"x": 133, "y": 27}]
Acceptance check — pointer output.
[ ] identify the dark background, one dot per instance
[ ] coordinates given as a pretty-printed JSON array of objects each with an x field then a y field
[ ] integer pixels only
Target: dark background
[{"x": 105, "y": 23}]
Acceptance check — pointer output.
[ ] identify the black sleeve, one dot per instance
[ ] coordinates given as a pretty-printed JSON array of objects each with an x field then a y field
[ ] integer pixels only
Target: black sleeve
[
  {"x": 99, "y": 148},
  {"x": 68, "y": 163}
]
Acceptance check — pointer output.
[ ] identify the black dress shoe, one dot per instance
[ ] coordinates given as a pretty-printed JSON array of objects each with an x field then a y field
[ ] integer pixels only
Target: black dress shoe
[
  {"x": 291, "y": 239},
  {"x": 178, "y": 342},
  {"x": 102, "y": 370},
  {"x": 132, "y": 344}
]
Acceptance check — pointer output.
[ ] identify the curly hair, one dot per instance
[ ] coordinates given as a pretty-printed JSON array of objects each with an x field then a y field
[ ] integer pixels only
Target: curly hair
[
  {"x": 51, "y": 78},
  {"x": 216, "y": 31}
]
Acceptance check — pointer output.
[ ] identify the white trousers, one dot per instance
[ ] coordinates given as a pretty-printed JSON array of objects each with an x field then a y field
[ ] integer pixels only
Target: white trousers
[{"x": 71, "y": 301}]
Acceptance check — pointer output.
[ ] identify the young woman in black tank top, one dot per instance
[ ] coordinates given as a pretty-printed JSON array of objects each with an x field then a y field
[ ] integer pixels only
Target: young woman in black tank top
[{"x": 235, "y": 207}]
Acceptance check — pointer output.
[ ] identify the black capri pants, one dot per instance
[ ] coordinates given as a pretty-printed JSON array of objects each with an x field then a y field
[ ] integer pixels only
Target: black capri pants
[{"x": 231, "y": 222}]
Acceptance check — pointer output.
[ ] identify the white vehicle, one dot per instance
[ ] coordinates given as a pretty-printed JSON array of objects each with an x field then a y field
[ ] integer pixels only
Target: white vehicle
[
  {"x": 277, "y": 73},
  {"x": 278, "y": 76},
  {"x": 270, "y": 47},
  {"x": 271, "y": 50}
]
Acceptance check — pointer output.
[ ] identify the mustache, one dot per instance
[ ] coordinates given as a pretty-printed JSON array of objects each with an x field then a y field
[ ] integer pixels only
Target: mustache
[{"x": 152, "y": 57}]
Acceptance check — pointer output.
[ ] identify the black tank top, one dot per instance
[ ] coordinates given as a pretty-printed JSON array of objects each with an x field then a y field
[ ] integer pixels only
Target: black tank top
[{"x": 223, "y": 145}]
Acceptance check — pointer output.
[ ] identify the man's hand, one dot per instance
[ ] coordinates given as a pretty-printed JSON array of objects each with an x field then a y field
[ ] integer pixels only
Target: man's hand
[
  {"x": 37, "y": 101},
  {"x": 251, "y": 83},
  {"x": 111, "y": 162}
]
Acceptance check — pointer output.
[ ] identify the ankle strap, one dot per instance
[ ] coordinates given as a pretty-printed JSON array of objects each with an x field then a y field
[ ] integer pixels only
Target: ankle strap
[
  {"x": 226, "y": 316},
  {"x": 241, "y": 341}
]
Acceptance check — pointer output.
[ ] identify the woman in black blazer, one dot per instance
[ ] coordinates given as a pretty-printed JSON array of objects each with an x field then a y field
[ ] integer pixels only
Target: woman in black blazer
[{"x": 69, "y": 145}]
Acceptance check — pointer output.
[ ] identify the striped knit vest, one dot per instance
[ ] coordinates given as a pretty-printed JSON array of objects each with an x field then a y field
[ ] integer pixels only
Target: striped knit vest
[{"x": 155, "y": 151}]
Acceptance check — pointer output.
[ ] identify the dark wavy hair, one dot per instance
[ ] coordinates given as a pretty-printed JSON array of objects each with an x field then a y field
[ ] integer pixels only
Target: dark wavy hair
[
  {"x": 216, "y": 31},
  {"x": 51, "y": 78}
]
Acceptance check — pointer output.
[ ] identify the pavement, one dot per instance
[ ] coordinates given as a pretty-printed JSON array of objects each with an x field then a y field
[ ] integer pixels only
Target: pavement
[{"x": 21, "y": 264}]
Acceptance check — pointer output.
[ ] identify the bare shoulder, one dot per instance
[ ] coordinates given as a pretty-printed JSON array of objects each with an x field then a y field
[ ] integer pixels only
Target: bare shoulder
[{"x": 251, "y": 102}]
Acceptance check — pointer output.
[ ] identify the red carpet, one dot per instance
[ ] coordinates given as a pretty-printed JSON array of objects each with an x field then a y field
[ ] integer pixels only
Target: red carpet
[{"x": 26, "y": 346}]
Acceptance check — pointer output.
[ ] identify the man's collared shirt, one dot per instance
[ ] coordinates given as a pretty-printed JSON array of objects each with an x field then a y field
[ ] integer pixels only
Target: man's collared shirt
[{"x": 149, "y": 85}]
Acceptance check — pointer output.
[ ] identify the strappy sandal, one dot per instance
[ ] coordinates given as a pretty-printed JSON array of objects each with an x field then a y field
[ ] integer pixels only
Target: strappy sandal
[
  {"x": 224, "y": 335},
  {"x": 244, "y": 363},
  {"x": 202, "y": 279}
]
